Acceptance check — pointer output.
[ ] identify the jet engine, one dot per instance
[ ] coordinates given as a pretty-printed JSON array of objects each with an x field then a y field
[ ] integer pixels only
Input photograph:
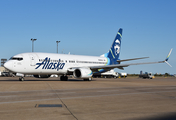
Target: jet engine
[
  {"x": 41, "y": 76},
  {"x": 84, "y": 73}
]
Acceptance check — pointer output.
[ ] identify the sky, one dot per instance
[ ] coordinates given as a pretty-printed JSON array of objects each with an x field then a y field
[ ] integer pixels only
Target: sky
[{"x": 88, "y": 27}]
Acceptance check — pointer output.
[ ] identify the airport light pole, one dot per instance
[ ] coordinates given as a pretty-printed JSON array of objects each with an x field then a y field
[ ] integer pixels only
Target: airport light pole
[
  {"x": 33, "y": 43},
  {"x": 57, "y": 45}
]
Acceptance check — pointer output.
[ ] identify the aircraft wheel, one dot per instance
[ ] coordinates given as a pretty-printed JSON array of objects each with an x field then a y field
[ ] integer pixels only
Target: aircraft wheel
[
  {"x": 63, "y": 78},
  {"x": 89, "y": 79},
  {"x": 21, "y": 79}
]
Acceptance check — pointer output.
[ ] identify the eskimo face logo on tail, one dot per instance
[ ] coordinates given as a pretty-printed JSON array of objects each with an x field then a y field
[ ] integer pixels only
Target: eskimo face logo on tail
[
  {"x": 50, "y": 65},
  {"x": 117, "y": 47},
  {"x": 117, "y": 41}
]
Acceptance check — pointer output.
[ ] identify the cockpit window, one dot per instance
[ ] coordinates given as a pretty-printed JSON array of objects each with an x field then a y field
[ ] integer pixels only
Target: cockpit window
[{"x": 16, "y": 58}]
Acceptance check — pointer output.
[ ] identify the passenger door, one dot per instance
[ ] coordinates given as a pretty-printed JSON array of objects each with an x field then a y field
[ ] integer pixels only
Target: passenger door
[{"x": 32, "y": 59}]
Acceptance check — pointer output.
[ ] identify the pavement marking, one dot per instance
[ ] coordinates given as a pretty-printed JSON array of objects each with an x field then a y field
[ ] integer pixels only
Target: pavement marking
[
  {"x": 66, "y": 93},
  {"x": 43, "y": 94},
  {"x": 117, "y": 94},
  {"x": 48, "y": 105},
  {"x": 86, "y": 96},
  {"x": 62, "y": 90},
  {"x": 28, "y": 101},
  {"x": 107, "y": 90}
]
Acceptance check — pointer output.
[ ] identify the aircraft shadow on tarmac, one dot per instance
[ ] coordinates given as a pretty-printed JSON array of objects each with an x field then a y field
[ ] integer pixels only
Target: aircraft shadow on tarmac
[
  {"x": 69, "y": 80},
  {"x": 167, "y": 116},
  {"x": 39, "y": 79}
]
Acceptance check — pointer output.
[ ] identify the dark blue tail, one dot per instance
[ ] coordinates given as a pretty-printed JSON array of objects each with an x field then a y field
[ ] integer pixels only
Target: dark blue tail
[{"x": 114, "y": 51}]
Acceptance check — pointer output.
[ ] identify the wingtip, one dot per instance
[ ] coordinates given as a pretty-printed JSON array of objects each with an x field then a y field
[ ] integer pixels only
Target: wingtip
[
  {"x": 167, "y": 58},
  {"x": 168, "y": 63}
]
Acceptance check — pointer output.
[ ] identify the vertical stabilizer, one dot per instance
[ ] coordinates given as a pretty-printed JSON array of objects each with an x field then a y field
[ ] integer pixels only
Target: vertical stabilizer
[{"x": 114, "y": 51}]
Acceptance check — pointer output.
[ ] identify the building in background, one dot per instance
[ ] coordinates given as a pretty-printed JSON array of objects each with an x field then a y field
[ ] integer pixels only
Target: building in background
[{"x": 3, "y": 61}]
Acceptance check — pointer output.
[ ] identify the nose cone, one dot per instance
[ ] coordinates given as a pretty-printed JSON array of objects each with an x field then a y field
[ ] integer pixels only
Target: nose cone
[{"x": 8, "y": 65}]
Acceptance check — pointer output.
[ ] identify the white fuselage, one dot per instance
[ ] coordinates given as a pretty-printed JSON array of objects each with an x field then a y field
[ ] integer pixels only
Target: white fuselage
[{"x": 50, "y": 63}]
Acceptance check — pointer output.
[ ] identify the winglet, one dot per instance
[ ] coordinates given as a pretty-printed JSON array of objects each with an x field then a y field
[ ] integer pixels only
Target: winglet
[
  {"x": 168, "y": 55},
  {"x": 167, "y": 58}
]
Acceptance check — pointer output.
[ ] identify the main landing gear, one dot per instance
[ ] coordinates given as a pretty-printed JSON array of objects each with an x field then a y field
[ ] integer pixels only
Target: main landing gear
[
  {"x": 63, "y": 78},
  {"x": 21, "y": 79},
  {"x": 89, "y": 79}
]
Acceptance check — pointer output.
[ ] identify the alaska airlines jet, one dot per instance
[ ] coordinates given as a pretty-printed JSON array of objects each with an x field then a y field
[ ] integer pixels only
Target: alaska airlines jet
[{"x": 43, "y": 65}]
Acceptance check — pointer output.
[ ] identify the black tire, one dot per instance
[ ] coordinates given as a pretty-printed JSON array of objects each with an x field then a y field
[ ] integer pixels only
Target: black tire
[
  {"x": 89, "y": 79},
  {"x": 63, "y": 78},
  {"x": 21, "y": 79}
]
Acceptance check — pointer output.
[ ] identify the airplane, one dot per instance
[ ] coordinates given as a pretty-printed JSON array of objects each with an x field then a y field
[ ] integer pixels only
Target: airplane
[{"x": 43, "y": 65}]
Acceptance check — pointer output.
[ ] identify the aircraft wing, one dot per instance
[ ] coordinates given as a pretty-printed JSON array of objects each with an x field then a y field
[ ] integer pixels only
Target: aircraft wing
[{"x": 121, "y": 66}]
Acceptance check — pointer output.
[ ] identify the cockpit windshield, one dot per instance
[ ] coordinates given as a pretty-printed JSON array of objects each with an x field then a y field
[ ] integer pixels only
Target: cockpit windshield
[{"x": 16, "y": 58}]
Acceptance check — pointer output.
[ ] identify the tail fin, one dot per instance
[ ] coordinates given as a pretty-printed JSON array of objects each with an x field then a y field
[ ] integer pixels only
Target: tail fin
[{"x": 114, "y": 51}]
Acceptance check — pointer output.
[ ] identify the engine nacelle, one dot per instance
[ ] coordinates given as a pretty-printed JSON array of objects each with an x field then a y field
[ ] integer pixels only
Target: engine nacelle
[
  {"x": 83, "y": 73},
  {"x": 41, "y": 76}
]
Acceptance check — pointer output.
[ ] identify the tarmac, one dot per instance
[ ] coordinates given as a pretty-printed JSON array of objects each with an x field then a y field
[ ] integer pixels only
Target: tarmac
[{"x": 128, "y": 98}]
